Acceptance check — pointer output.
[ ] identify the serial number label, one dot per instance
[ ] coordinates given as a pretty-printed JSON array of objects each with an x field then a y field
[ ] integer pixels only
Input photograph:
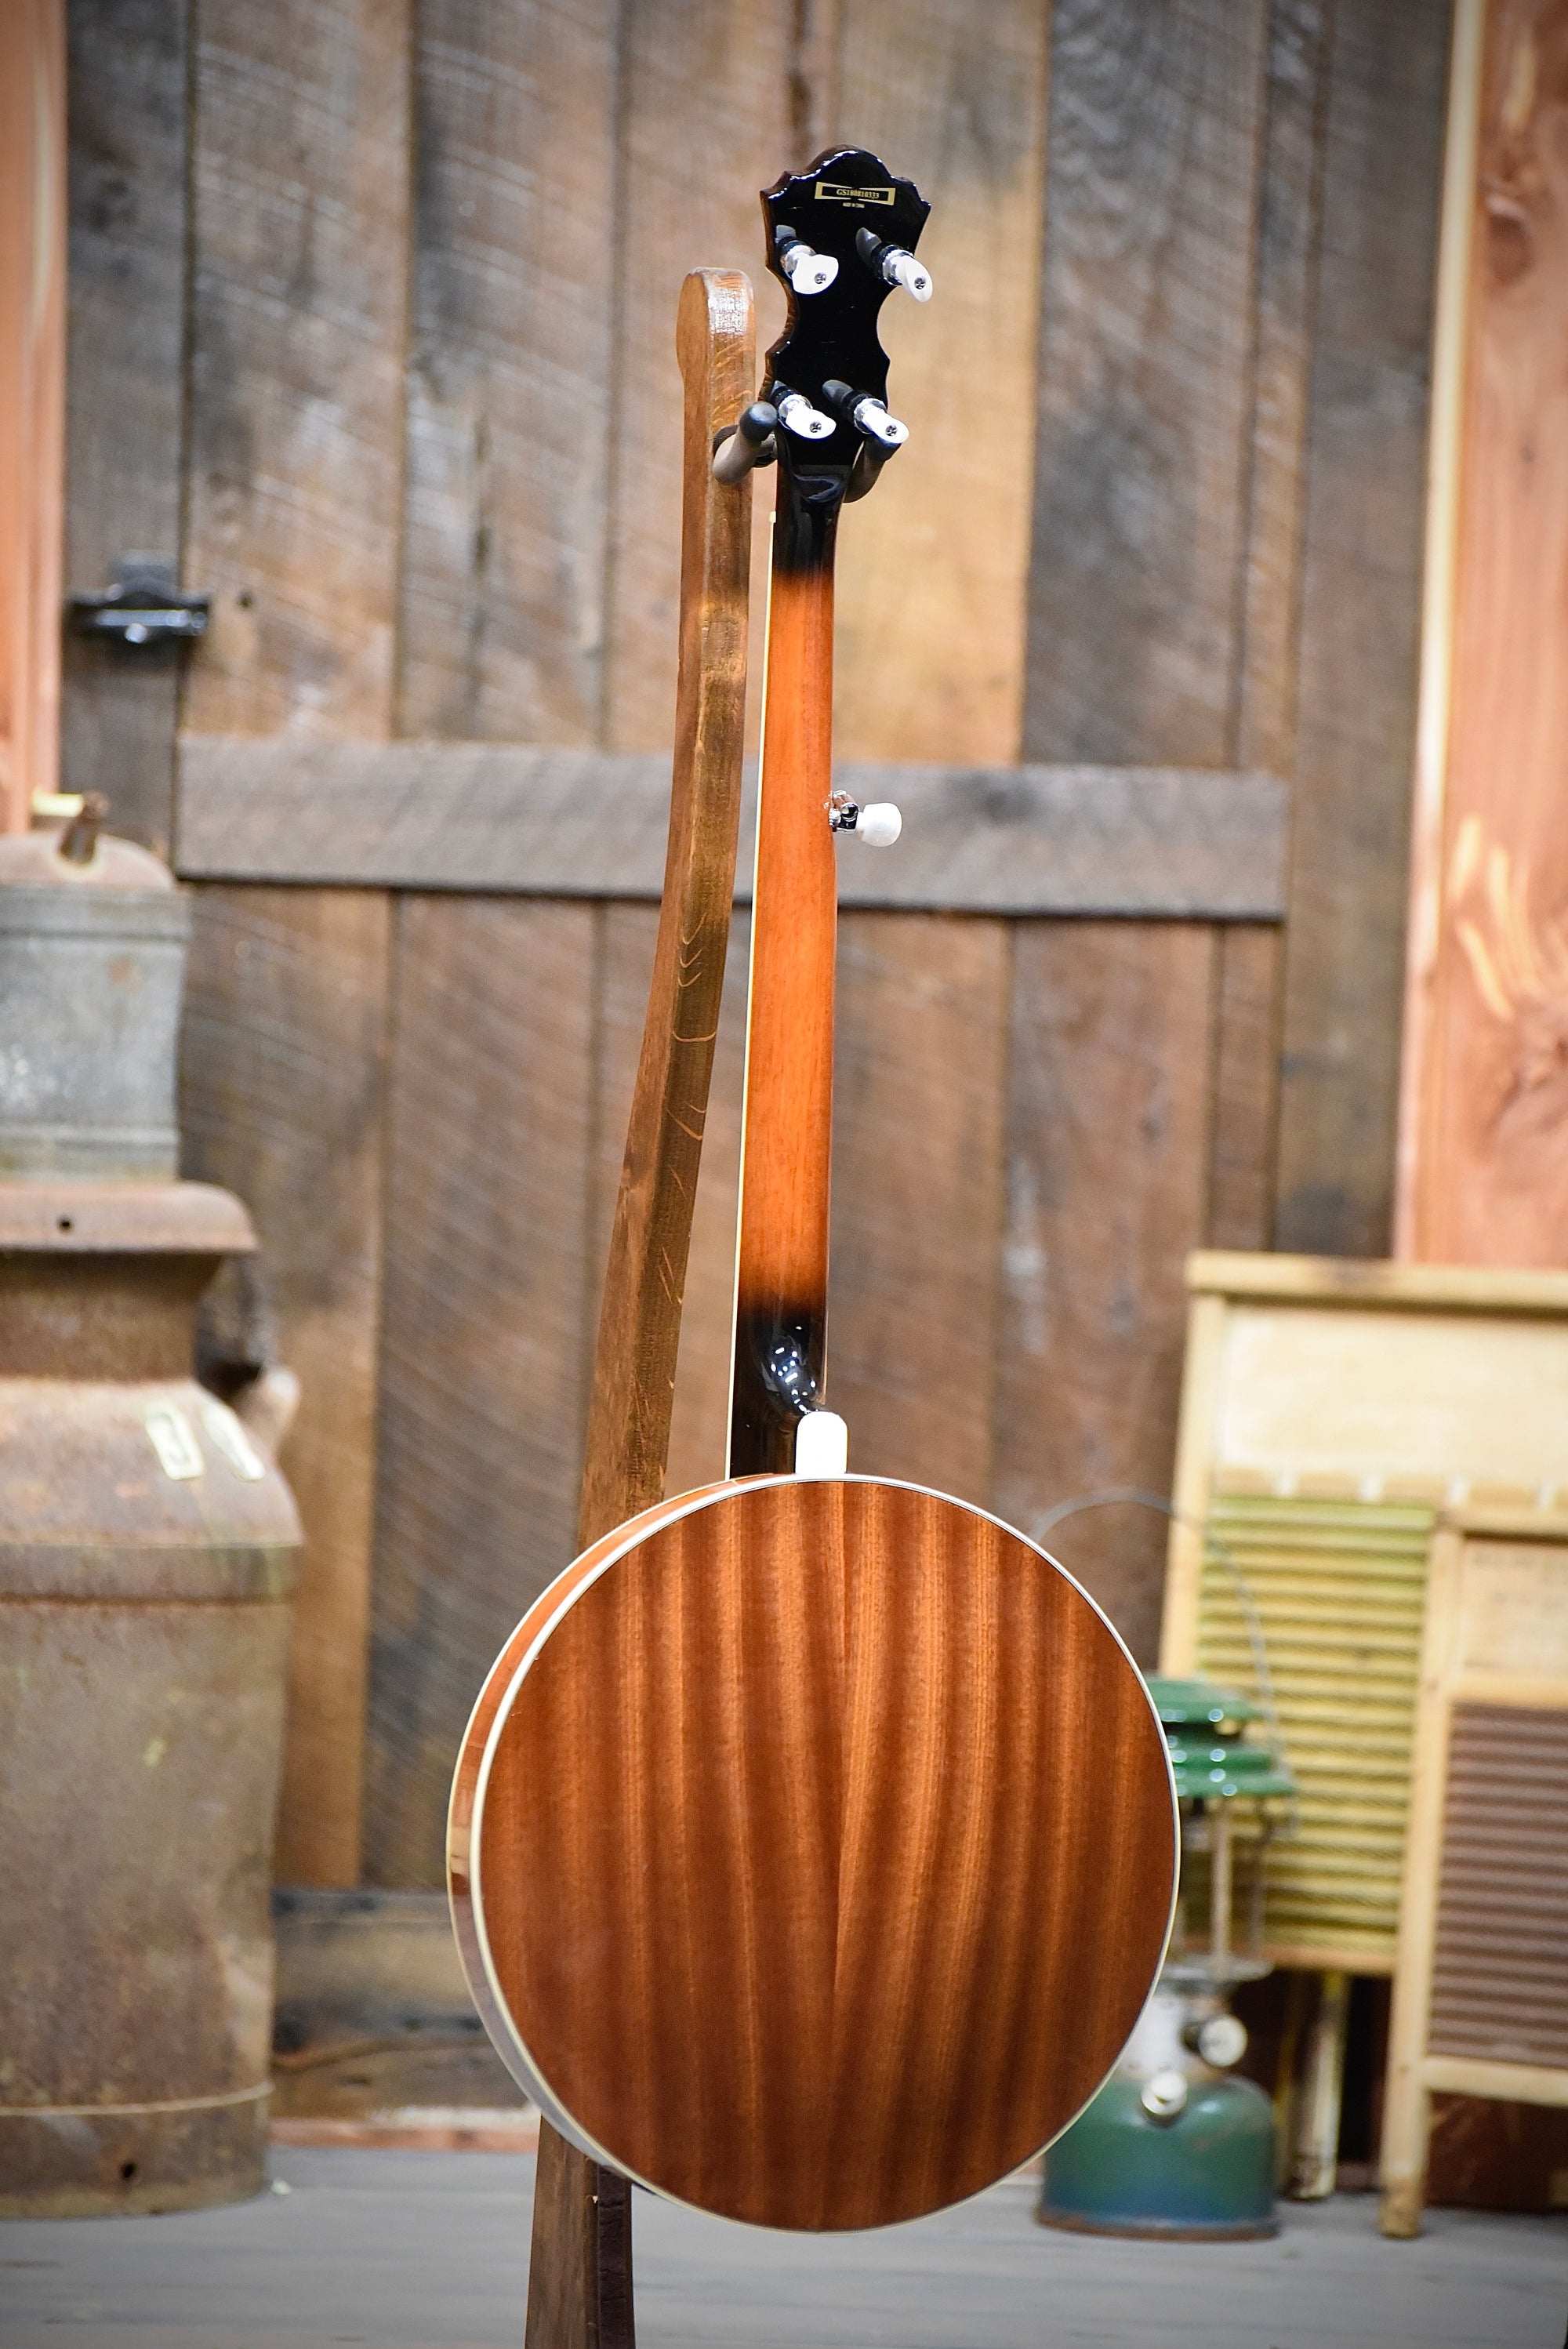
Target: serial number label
[{"x": 833, "y": 192}]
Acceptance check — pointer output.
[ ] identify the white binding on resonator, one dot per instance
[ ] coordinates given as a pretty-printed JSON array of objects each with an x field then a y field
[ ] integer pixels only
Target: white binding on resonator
[{"x": 822, "y": 1445}]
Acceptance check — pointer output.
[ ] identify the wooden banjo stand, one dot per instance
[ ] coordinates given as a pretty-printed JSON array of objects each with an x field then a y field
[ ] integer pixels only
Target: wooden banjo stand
[{"x": 813, "y": 1842}]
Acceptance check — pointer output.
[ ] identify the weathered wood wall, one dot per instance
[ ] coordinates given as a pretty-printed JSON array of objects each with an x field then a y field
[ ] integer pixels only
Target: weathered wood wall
[{"x": 403, "y": 273}]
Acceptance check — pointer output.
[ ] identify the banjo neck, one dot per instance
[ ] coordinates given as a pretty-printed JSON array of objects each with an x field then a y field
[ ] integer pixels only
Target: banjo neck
[
  {"x": 781, "y": 1253},
  {"x": 840, "y": 238}
]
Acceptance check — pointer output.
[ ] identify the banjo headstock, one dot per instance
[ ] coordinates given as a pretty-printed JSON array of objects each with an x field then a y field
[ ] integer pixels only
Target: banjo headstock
[{"x": 840, "y": 239}]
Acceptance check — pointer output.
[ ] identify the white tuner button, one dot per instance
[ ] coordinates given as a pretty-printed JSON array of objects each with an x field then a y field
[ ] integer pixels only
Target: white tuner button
[
  {"x": 901, "y": 268},
  {"x": 822, "y": 1445},
  {"x": 880, "y": 824},
  {"x": 874, "y": 420},
  {"x": 808, "y": 272},
  {"x": 797, "y": 415}
]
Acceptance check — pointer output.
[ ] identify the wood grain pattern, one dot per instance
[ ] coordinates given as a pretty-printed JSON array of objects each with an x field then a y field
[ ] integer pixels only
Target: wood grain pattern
[
  {"x": 890, "y": 1930},
  {"x": 580, "y": 2278},
  {"x": 1245, "y": 1083},
  {"x": 298, "y": 275},
  {"x": 508, "y": 400},
  {"x": 482, "y": 1329},
  {"x": 126, "y": 82},
  {"x": 1156, "y": 841},
  {"x": 1440, "y": 567},
  {"x": 919, "y": 1119},
  {"x": 639, "y": 1328},
  {"x": 1488, "y": 1186},
  {"x": 623, "y": 944},
  {"x": 282, "y": 1081},
  {"x": 32, "y": 397},
  {"x": 704, "y": 122},
  {"x": 297, "y": 330},
  {"x": 933, "y": 575},
  {"x": 1146, "y": 332},
  {"x": 699, "y": 1423},
  {"x": 1289, "y": 227},
  {"x": 1359, "y": 619},
  {"x": 1107, "y": 1182},
  {"x": 579, "y": 2289}
]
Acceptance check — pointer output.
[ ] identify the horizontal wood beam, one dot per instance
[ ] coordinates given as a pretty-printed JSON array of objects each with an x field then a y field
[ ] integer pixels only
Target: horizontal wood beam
[{"x": 1149, "y": 842}]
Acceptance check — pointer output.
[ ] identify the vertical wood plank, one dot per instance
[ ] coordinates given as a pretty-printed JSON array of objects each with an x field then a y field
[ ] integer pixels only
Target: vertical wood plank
[
  {"x": 32, "y": 397},
  {"x": 281, "y": 1100},
  {"x": 932, "y": 569},
  {"x": 300, "y": 172},
  {"x": 1246, "y": 1080},
  {"x": 128, "y": 84},
  {"x": 1289, "y": 224},
  {"x": 705, "y": 124},
  {"x": 509, "y": 379},
  {"x": 1145, "y": 339},
  {"x": 1440, "y": 567},
  {"x": 919, "y": 1120},
  {"x": 1359, "y": 618},
  {"x": 1107, "y": 1179},
  {"x": 483, "y": 1338},
  {"x": 296, "y": 362},
  {"x": 1488, "y": 1184}
]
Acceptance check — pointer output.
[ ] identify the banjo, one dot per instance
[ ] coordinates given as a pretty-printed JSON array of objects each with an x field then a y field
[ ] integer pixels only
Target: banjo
[{"x": 812, "y": 1842}]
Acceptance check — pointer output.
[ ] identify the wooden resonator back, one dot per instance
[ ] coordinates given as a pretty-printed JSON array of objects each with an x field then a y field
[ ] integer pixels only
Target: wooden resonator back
[{"x": 824, "y": 1853}]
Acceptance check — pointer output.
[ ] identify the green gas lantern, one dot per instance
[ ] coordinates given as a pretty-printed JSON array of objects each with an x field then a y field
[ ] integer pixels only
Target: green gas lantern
[{"x": 1174, "y": 2144}]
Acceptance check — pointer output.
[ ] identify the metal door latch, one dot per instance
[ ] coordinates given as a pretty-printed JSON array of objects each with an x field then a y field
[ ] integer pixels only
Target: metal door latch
[{"x": 144, "y": 608}]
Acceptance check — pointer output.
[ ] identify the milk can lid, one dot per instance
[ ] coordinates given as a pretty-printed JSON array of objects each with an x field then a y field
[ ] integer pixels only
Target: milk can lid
[{"x": 74, "y": 851}]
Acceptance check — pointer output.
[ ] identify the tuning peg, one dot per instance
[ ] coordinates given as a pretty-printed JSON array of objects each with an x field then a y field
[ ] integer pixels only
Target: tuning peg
[
  {"x": 893, "y": 263},
  {"x": 867, "y": 414},
  {"x": 748, "y": 443},
  {"x": 877, "y": 425},
  {"x": 808, "y": 272},
  {"x": 797, "y": 415},
  {"x": 878, "y": 824}
]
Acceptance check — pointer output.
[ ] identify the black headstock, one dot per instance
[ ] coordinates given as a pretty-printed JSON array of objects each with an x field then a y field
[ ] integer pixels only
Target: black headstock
[{"x": 840, "y": 239}]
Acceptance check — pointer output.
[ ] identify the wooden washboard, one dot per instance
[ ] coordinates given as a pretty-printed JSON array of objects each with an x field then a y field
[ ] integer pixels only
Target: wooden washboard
[
  {"x": 1330, "y": 1410},
  {"x": 1480, "y": 1987}
]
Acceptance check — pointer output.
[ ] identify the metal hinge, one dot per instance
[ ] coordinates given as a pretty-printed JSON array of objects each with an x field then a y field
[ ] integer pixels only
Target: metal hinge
[{"x": 143, "y": 609}]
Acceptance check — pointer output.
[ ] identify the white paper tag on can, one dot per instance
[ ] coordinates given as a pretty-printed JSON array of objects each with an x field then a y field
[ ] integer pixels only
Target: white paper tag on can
[
  {"x": 174, "y": 1440},
  {"x": 232, "y": 1441}
]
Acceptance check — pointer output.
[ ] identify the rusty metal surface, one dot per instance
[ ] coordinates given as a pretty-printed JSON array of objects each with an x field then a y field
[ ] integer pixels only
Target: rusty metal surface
[
  {"x": 89, "y": 1510},
  {"x": 147, "y": 1550},
  {"x": 103, "y": 1280},
  {"x": 105, "y": 2165},
  {"x": 129, "y": 1316},
  {"x": 69, "y": 1217},
  {"x": 145, "y": 1742},
  {"x": 1499, "y": 1976}
]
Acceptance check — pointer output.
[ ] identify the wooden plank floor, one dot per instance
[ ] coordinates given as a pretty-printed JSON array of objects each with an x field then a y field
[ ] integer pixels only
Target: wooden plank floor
[{"x": 408, "y": 2251}]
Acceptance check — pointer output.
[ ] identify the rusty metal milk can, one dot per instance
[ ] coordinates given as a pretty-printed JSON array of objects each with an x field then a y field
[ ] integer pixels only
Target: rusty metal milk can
[{"x": 147, "y": 1551}]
